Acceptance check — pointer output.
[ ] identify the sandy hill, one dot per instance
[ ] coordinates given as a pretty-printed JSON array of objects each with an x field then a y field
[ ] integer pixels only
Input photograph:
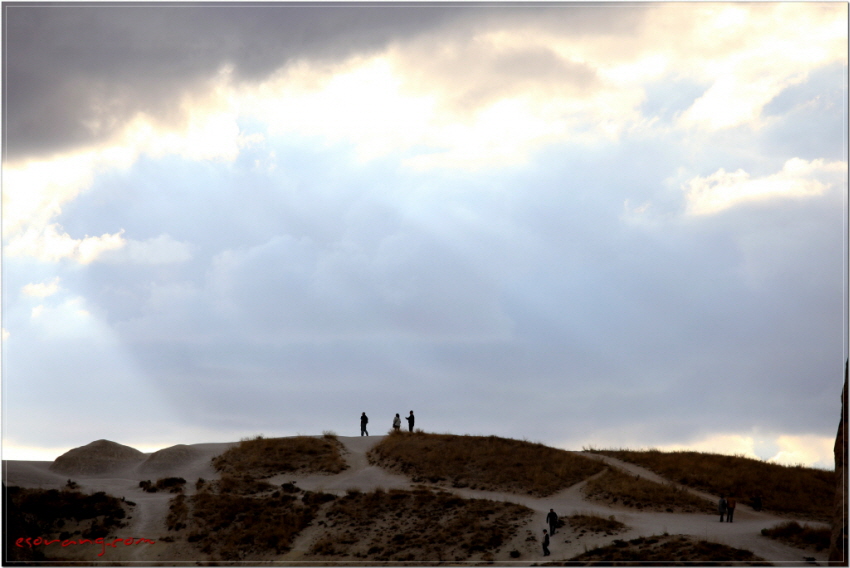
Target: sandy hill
[
  {"x": 380, "y": 507},
  {"x": 98, "y": 458}
]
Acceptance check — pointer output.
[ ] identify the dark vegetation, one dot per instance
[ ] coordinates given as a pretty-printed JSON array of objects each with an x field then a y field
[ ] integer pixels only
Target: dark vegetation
[
  {"x": 239, "y": 527},
  {"x": 666, "y": 550},
  {"x": 57, "y": 514},
  {"x": 800, "y": 536},
  {"x": 482, "y": 462},
  {"x": 419, "y": 525},
  {"x": 265, "y": 457},
  {"x": 172, "y": 484},
  {"x": 616, "y": 487},
  {"x": 242, "y": 485},
  {"x": 240, "y": 516},
  {"x": 796, "y": 490}
]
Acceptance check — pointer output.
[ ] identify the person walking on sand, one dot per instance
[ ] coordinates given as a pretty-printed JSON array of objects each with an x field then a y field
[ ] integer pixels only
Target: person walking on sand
[
  {"x": 410, "y": 422},
  {"x": 552, "y": 519},
  {"x": 363, "y": 421},
  {"x": 396, "y": 423},
  {"x": 730, "y": 509},
  {"x": 722, "y": 506},
  {"x": 545, "y": 543}
]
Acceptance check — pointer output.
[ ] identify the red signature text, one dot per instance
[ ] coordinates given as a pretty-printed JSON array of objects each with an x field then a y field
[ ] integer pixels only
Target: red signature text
[{"x": 25, "y": 542}]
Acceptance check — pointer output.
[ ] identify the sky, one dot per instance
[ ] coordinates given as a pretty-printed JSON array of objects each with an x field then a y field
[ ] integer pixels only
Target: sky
[{"x": 587, "y": 225}]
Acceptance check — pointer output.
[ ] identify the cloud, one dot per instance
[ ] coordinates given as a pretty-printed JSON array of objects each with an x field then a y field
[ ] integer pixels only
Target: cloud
[
  {"x": 35, "y": 191},
  {"x": 507, "y": 218},
  {"x": 797, "y": 179},
  {"x": 51, "y": 245},
  {"x": 158, "y": 250},
  {"x": 811, "y": 450},
  {"x": 415, "y": 92},
  {"x": 66, "y": 88},
  {"x": 807, "y": 449},
  {"x": 737, "y": 50},
  {"x": 41, "y": 289}
]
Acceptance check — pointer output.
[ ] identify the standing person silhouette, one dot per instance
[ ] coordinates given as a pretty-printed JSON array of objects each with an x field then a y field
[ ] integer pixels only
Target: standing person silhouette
[
  {"x": 410, "y": 422},
  {"x": 396, "y": 423},
  {"x": 552, "y": 519},
  {"x": 545, "y": 543},
  {"x": 730, "y": 509},
  {"x": 363, "y": 421}
]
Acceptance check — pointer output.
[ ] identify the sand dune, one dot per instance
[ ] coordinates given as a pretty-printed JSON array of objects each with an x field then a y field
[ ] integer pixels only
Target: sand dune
[
  {"x": 117, "y": 469},
  {"x": 101, "y": 457}
]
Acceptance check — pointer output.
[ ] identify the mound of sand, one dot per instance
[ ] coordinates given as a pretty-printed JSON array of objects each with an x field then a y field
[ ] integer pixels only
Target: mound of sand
[
  {"x": 98, "y": 458},
  {"x": 168, "y": 460}
]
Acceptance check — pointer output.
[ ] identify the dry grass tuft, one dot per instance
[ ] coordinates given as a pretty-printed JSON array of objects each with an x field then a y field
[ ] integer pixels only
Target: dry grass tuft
[
  {"x": 797, "y": 490},
  {"x": 239, "y": 527},
  {"x": 482, "y": 462},
  {"x": 264, "y": 457},
  {"x": 618, "y": 488},
  {"x": 676, "y": 550},
  {"x": 590, "y": 522},
  {"x": 240, "y": 518},
  {"x": 424, "y": 526},
  {"x": 800, "y": 536}
]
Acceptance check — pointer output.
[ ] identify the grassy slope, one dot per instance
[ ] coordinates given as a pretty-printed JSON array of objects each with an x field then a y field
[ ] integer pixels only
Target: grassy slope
[
  {"x": 483, "y": 462},
  {"x": 616, "y": 487},
  {"x": 265, "y": 457},
  {"x": 586, "y": 522},
  {"x": 803, "y": 536},
  {"x": 226, "y": 526},
  {"x": 796, "y": 490},
  {"x": 419, "y": 525},
  {"x": 668, "y": 550}
]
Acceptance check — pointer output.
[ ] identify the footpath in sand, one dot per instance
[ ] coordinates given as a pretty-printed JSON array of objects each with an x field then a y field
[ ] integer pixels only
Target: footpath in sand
[{"x": 191, "y": 462}]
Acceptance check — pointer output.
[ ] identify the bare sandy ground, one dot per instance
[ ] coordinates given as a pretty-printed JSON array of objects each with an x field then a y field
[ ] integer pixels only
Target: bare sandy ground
[{"x": 193, "y": 461}]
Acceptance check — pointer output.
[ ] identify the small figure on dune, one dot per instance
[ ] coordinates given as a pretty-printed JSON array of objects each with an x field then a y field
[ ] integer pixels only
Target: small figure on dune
[
  {"x": 396, "y": 423},
  {"x": 410, "y": 422},
  {"x": 730, "y": 508},
  {"x": 757, "y": 502},
  {"x": 545, "y": 543},
  {"x": 552, "y": 519},
  {"x": 722, "y": 506},
  {"x": 363, "y": 421}
]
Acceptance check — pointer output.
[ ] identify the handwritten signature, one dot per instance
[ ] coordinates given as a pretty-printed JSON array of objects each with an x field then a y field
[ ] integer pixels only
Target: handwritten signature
[{"x": 30, "y": 542}]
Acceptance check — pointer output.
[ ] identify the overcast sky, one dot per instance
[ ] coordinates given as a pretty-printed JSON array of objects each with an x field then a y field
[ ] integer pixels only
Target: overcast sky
[{"x": 603, "y": 225}]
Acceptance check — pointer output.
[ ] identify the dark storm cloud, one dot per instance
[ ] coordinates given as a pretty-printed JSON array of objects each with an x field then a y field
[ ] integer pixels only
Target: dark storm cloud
[{"x": 75, "y": 73}]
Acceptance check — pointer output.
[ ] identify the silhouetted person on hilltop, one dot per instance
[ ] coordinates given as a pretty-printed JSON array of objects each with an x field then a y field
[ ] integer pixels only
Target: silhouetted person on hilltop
[
  {"x": 396, "y": 423},
  {"x": 730, "y": 509},
  {"x": 410, "y": 422},
  {"x": 552, "y": 519},
  {"x": 722, "y": 506},
  {"x": 545, "y": 543},
  {"x": 363, "y": 421}
]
